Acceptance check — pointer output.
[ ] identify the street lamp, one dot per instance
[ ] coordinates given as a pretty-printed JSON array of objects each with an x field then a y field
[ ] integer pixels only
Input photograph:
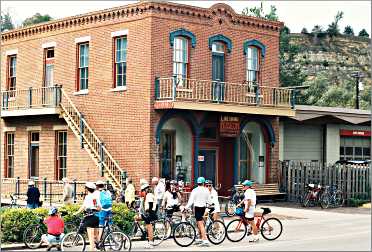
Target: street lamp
[{"x": 359, "y": 86}]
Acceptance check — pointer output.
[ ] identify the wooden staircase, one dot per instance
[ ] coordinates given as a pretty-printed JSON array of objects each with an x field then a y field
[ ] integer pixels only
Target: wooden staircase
[{"x": 90, "y": 142}]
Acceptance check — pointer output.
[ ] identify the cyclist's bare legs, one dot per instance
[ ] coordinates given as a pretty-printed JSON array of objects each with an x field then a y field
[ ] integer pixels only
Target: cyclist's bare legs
[
  {"x": 201, "y": 228},
  {"x": 91, "y": 237},
  {"x": 150, "y": 232},
  {"x": 254, "y": 227}
]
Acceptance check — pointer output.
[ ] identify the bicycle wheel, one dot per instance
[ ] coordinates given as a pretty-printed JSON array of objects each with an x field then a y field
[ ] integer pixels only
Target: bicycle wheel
[
  {"x": 271, "y": 229},
  {"x": 230, "y": 208},
  {"x": 324, "y": 201},
  {"x": 168, "y": 229},
  {"x": 184, "y": 234},
  {"x": 306, "y": 199},
  {"x": 159, "y": 232},
  {"x": 73, "y": 242},
  {"x": 236, "y": 230},
  {"x": 32, "y": 236},
  {"x": 116, "y": 241},
  {"x": 216, "y": 232},
  {"x": 339, "y": 198}
]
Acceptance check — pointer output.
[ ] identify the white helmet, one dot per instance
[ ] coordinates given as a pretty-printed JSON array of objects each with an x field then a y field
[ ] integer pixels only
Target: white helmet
[
  {"x": 90, "y": 185},
  {"x": 100, "y": 182},
  {"x": 155, "y": 179},
  {"x": 144, "y": 186}
]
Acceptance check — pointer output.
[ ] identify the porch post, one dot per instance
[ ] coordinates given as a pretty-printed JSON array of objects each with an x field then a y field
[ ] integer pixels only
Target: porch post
[
  {"x": 101, "y": 157},
  {"x": 30, "y": 97},
  {"x": 196, "y": 154},
  {"x": 236, "y": 159},
  {"x": 157, "y": 88},
  {"x": 81, "y": 130},
  {"x": 258, "y": 95},
  {"x": 174, "y": 87}
]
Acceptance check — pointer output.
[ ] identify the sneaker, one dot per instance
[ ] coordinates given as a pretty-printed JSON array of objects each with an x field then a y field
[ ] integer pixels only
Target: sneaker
[
  {"x": 149, "y": 246},
  {"x": 198, "y": 241},
  {"x": 205, "y": 243},
  {"x": 254, "y": 238}
]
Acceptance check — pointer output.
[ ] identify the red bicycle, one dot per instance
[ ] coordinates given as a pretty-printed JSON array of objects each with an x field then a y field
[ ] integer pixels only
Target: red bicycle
[
  {"x": 270, "y": 228},
  {"x": 313, "y": 195}
]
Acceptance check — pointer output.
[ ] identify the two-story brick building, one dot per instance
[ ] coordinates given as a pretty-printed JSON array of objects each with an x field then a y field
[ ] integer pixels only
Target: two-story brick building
[{"x": 149, "y": 88}]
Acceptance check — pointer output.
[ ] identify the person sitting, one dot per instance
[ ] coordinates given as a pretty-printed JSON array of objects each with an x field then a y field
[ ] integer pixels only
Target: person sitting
[
  {"x": 55, "y": 226},
  {"x": 172, "y": 197}
]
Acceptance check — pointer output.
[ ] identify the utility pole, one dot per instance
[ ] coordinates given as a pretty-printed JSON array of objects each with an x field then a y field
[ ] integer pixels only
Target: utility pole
[{"x": 358, "y": 76}]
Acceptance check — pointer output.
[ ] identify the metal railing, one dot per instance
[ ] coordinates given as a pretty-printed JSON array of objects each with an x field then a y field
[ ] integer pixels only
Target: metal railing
[
  {"x": 44, "y": 97},
  {"x": 178, "y": 89}
]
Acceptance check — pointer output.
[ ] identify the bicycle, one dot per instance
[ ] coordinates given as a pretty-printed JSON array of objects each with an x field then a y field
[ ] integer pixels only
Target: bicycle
[
  {"x": 33, "y": 233},
  {"x": 170, "y": 222},
  {"x": 332, "y": 196},
  {"x": 140, "y": 232},
  {"x": 312, "y": 195},
  {"x": 109, "y": 240},
  {"x": 239, "y": 228},
  {"x": 235, "y": 198}
]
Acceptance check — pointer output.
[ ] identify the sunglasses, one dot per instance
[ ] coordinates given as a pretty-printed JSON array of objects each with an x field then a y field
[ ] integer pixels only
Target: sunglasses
[{"x": 208, "y": 185}]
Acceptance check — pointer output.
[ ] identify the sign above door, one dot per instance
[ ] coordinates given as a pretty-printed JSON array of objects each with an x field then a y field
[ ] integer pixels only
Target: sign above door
[{"x": 229, "y": 126}]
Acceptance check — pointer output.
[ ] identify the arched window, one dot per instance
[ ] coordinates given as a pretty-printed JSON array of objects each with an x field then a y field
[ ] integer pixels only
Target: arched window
[
  {"x": 252, "y": 70},
  {"x": 180, "y": 57}
]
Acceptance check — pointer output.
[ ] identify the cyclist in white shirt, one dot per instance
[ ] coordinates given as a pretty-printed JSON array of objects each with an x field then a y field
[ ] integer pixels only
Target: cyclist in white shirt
[
  {"x": 159, "y": 190},
  {"x": 91, "y": 221},
  {"x": 250, "y": 205},
  {"x": 213, "y": 199},
  {"x": 199, "y": 197},
  {"x": 172, "y": 198}
]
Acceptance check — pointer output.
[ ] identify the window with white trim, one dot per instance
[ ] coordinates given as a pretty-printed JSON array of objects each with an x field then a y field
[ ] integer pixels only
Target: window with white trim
[
  {"x": 49, "y": 67},
  {"x": 9, "y": 154},
  {"x": 12, "y": 71},
  {"x": 252, "y": 70},
  {"x": 83, "y": 65},
  {"x": 61, "y": 154},
  {"x": 180, "y": 57},
  {"x": 120, "y": 61}
]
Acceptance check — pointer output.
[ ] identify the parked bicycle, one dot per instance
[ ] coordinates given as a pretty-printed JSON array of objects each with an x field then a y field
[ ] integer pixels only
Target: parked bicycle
[
  {"x": 235, "y": 198},
  {"x": 270, "y": 228},
  {"x": 33, "y": 233},
  {"x": 331, "y": 197},
  {"x": 110, "y": 240},
  {"x": 312, "y": 195}
]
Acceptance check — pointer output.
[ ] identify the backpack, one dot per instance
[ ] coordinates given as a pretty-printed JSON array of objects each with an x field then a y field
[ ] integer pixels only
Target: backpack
[{"x": 106, "y": 200}]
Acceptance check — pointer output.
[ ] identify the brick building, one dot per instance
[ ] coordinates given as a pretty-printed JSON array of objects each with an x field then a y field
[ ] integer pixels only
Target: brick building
[{"x": 149, "y": 88}]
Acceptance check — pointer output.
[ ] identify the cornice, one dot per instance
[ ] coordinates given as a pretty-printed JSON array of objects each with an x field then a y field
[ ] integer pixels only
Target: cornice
[{"x": 218, "y": 10}]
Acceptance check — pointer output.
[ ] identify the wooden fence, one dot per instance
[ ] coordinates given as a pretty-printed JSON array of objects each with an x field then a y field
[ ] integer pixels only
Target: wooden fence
[{"x": 353, "y": 180}]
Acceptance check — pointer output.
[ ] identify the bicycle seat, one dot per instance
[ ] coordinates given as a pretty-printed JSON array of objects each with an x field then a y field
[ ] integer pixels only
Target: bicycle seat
[{"x": 266, "y": 210}]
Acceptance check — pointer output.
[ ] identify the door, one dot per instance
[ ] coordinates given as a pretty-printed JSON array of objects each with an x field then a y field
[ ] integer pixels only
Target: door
[
  {"x": 218, "y": 76},
  {"x": 207, "y": 164},
  {"x": 167, "y": 147},
  {"x": 34, "y": 160}
]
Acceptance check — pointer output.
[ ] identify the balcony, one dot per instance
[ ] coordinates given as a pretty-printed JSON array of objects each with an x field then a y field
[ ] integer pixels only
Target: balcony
[
  {"x": 207, "y": 95},
  {"x": 32, "y": 101}
]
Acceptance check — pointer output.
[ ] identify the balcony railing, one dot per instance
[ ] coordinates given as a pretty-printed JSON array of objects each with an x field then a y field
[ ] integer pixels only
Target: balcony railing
[
  {"x": 175, "y": 89},
  {"x": 20, "y": 99}
]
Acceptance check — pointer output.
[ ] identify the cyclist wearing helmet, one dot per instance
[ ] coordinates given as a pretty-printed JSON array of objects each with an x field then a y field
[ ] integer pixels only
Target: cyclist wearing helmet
[
  {"x": 213, "y": 200},
  {"x": 199, "y": 198},
  {"x": 250, "y": 205},
  {"x": 106, "y": 203},
  {"x": 55, "y": 227}
]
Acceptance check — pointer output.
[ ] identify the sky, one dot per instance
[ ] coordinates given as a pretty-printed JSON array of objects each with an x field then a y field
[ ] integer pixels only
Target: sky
[{"x": 295, "y": 14}]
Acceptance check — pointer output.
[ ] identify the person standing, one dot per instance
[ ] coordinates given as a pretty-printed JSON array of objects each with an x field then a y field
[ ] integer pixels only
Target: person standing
[
  {"x": 249, "y": 206},
  {"x": 67, "y": 192},
  {"x": 199, "y": 197},
  {"x": 33, "y": 196},
  {"x": 92, "y": 205},
  {"x": 106, "y": 204},
  {"x": 130, "y": 194},
  {"x": 159, "y": 190},
  {"x": 213, "y": 199}
]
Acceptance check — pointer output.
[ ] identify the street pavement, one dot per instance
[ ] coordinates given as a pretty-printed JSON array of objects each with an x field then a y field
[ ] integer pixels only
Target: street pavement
[{"x": 344, "y": 229}]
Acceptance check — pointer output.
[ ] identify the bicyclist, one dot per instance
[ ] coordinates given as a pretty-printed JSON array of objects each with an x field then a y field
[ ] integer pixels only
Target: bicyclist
[
  {"x": 199, "y": 198},
  {"x": 213, "y": 200},
  {"x": 172, "y": 198},
  {"x": 106, "y": 203},
  {"x": 159, "y": 190},
  {"x": 249, "y": 206},
  {"x": 91, "y": 204},
  {"x": 55, "y": 227},
  {"x": 148, "y": 212}
]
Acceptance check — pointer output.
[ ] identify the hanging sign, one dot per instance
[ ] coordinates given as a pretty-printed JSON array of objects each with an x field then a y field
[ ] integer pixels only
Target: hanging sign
[
  {"x": 229, "y": 126},
  {"x": 362, "y": 133}
]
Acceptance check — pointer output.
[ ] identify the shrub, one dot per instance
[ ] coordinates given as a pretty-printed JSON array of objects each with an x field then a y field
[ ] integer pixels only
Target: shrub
[
  {"x": 356, "y": 202},
  {"x": 15, "y": 220}
]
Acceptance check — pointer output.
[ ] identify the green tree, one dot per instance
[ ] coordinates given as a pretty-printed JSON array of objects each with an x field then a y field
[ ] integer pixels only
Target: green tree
[
  {"x": 333, "y": 28},
  {"x": 363, "y": 33},
  {"x": 258, "y": 12},
  {"x": 36, "y": 19},
  {"x": 6, "y": 22},
  {"x": 317, "y": 29},
  {"x": 349, "y": 30},
  {"x": 304, "y": 30}
]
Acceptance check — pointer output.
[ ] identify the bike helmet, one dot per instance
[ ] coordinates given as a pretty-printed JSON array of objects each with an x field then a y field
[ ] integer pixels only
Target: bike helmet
[
  {"x": 247, "y": 183},
  {"x": 200, "y": 180},
  {"x": 53, "y": 211},
  {"x": 208, "y": 182},
  {"x": 90, "y": 185},
  {"x": 173, "y": 182}
]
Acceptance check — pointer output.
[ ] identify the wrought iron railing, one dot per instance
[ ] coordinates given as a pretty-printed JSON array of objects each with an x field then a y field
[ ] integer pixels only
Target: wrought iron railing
[{"x": 176, "y": 89}]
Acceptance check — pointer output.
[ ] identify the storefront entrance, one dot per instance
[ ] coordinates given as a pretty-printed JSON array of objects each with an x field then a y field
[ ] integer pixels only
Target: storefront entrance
[{"x": 208, "y": 163}]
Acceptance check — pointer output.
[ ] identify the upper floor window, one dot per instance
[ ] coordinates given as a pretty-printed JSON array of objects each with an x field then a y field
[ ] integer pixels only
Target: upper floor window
[
  {"x": 49, "y": 67},
  {"x": 218, "y": 47},
  {"x": 252, "y": 64},
  {"x": 120, "y": 61},
  {"x": 12, "y": 65},
  {"x": 83, "y": 66},
  {"x": 180, "y": 57}
]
